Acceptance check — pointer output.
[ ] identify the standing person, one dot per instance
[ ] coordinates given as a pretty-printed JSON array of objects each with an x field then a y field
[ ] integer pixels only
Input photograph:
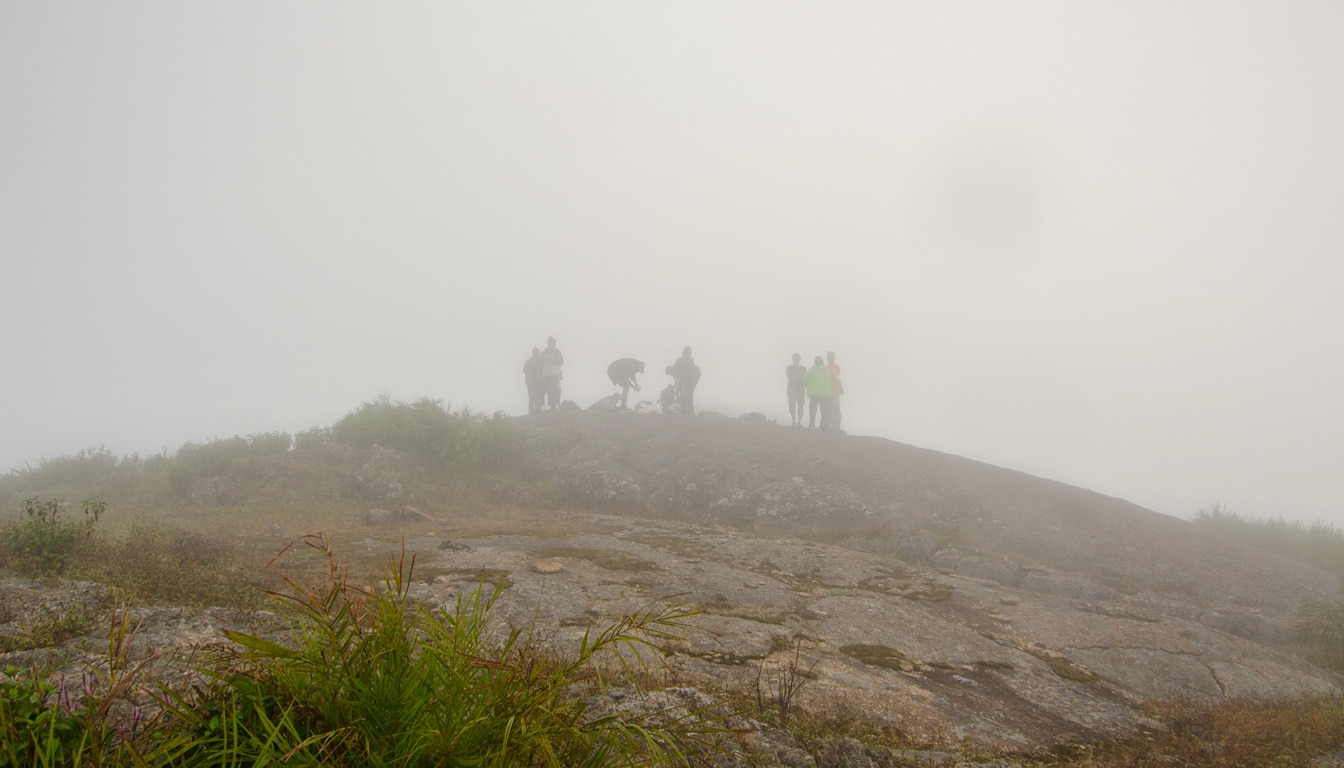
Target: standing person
[
  {"x": 551, "y": 362},
  {"x": 797, "y": 390},
  {"x": 685, "y": 375},
  {"x": 622, "y": 373},
  {"x": 837, "y": 389},
  {"x": 819, "y": 394},
  {"x": 536, "y": 390}
]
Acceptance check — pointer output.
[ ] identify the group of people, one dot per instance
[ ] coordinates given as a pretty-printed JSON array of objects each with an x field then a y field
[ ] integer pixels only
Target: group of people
[
  {"x": 820, "y": 386},
  {"x": 816, "y": 390},
  {"x": 677, "y": 397},
  {"x": 543, "y": 371}
]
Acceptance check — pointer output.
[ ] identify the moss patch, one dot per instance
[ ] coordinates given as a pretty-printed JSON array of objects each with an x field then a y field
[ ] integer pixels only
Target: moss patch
[
  {"x": 611, "y": 559},
  {"x": 496, "y": 576},
  {"x": 681, "y": 546},
  {"x": 879, "y": 656},
  {"x": 1063, "y": 667}
]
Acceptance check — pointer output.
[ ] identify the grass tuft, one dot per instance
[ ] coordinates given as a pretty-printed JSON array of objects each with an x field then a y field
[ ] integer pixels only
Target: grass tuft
[{"x": 370, "y": 679}]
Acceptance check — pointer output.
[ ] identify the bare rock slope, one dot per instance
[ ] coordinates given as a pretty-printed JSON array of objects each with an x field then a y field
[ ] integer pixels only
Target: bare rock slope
[{"x": 954, "y": 598}]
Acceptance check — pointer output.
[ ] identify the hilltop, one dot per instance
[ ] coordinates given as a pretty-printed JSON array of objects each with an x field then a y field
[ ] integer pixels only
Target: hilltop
[
  {"x": 949, "y": 599},
  {"x": 1015, "y": 609}
]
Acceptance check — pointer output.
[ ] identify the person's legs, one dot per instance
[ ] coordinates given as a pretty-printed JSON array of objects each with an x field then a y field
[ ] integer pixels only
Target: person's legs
[
  {"x": 553, "y": 392},
  {"x": 814, "y": 403},
  {"x": 835, "y": 411}
]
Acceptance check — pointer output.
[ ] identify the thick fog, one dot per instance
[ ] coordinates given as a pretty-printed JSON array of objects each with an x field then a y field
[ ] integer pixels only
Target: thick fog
[{"x": 1098, "y": 242}]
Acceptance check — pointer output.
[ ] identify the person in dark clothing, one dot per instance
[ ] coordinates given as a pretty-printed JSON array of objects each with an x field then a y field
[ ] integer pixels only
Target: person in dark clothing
[
  {"x": 622, "y": 373},
  {"x": 551, "y": 373},
  {"x": 685, "y": 375},
  {"x": 797, "y": 390},
  {"x": 536, "y": 390}
]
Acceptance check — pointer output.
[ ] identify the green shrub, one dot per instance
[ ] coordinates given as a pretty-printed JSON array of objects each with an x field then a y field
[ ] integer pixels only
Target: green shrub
[
  {"x": 221, "y": 456},
  {"x": 426, "y": 429},
  {"x": 85, "y": 468},
  {"x": 375, "y": 679},
  {"x": 42, "y": 543},
  {"x": 316, "y": 437},
  {"x": 38, "y": 722}
]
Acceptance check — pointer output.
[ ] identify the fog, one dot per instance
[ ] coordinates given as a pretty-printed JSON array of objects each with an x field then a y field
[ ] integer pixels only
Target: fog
[{"x": 1100, "y": 243}]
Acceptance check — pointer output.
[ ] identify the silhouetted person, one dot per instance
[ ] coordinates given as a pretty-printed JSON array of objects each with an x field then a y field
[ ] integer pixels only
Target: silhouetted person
[
  {"x": 551, "y": 362},
  {"x": 536, "y": 390},
  {"x": 668, "y": 399},
  {"x": 819, "y": 394},
  {"x": 797, "y": 390},
  {"x": 685, "y": 375},
  {"x": 622, "y": 373},
  {"x": 837, "y": 389}
]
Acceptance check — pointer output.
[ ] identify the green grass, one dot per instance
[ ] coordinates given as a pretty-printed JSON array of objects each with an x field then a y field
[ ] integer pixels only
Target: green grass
[
  {"x": 153, "y": 563},
  {"x": 371, "y": 679}
]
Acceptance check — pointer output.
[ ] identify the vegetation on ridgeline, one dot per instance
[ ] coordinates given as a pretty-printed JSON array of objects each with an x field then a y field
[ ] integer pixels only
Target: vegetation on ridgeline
[
  {"x": 439, "y": 439},
  {"x": 1320, "y": 624},
  {"x": 426, "y": 429},
  {"x": 1319, "y": 544}
]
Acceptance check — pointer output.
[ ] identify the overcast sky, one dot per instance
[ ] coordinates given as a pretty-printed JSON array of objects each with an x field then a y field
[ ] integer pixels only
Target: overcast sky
[{"x": 1100, "y": 242}]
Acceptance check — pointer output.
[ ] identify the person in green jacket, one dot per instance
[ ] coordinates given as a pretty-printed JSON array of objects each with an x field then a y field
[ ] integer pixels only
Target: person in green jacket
[{"x": 819, "y": 394}]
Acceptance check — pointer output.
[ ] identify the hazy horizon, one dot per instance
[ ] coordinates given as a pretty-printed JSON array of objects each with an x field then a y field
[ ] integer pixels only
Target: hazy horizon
[{"x": 1099, "y": 244}]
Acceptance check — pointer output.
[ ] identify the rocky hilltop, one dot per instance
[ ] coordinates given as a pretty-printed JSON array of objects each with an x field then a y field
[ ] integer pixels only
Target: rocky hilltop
[
  {"x": 956, "y": 598},
  {"x": 957, "y": 601}
]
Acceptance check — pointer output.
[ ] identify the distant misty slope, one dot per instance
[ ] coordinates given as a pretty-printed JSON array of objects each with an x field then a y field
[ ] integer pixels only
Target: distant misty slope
[{"x": 918, "y": 505}]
